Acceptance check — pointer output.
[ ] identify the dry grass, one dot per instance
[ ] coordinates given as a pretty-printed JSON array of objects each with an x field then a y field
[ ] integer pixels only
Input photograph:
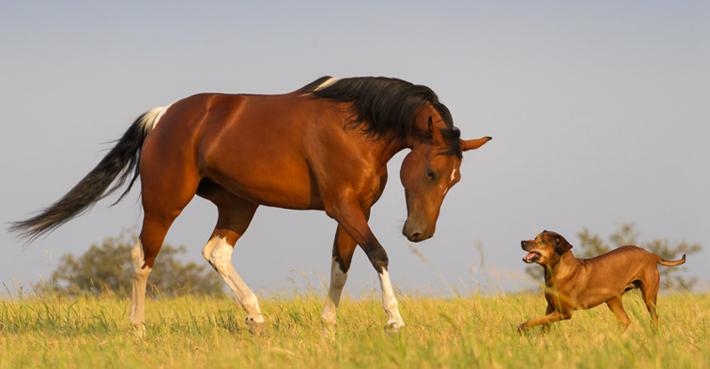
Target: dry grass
[{"x": 466, "y": 332}]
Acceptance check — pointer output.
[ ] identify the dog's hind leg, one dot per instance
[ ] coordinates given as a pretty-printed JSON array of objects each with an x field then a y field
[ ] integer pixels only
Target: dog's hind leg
[
  {"x": 649, "y": 291},
  {"x": 617, "y": 307}
]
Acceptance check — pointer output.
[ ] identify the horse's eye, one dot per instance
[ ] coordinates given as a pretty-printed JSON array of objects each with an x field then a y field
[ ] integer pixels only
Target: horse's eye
[{"x": 430, "y": 174}]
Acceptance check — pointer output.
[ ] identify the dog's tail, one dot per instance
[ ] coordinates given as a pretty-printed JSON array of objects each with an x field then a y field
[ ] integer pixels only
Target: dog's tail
[{"x": 671, "y": 263}]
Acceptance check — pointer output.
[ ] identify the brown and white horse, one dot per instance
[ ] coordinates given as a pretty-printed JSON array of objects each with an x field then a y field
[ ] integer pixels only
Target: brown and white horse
[{"x": 324, "y": 146}]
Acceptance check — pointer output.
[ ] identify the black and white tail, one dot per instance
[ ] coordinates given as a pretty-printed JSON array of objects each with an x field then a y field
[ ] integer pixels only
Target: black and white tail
[{"x": 114, "y": 168}]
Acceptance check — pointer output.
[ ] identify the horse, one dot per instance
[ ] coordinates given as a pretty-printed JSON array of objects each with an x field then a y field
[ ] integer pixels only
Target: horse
[{"x": 324, "y": 147}]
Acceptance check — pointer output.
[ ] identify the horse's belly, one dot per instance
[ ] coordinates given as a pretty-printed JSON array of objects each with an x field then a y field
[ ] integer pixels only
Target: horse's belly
[{"x": 272, "y": 187}]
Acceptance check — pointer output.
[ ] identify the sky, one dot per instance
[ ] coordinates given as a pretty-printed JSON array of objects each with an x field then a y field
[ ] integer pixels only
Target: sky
[{"x": 599, "y": 113}]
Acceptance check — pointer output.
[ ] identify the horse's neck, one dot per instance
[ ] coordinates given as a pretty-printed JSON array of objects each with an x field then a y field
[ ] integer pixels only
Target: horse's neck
[{"x": 389, "y": 147}]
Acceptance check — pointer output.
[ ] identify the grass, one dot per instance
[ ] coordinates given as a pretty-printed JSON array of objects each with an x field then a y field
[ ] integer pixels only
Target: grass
[{"x": 464, "y": 332}]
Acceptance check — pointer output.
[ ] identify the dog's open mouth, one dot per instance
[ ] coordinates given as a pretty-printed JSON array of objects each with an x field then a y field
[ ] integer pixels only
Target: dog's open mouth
[{"x": 531, "y": 257}]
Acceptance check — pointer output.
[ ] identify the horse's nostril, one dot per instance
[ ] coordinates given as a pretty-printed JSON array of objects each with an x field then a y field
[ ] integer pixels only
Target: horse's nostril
[
  {"x": 415, "y": 232},
  {"x": 416, "y": 237}
]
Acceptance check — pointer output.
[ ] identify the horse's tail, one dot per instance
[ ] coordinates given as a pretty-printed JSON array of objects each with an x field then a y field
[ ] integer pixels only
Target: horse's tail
[
  {"x": 671, "y": 263},
  {"x": 114, "y": 168}
]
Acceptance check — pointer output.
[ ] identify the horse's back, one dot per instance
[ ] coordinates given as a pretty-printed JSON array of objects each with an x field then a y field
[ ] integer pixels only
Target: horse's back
[
  {"x": 209, "y": 123},
  {"x": 255, "y": 146}
]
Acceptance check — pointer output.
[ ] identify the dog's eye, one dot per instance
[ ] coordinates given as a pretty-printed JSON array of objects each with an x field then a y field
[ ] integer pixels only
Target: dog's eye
[{"x": 430, "y": 174}]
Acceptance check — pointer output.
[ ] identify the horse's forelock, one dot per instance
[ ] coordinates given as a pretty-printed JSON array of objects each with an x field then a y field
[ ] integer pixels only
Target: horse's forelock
[{"x": 452, "y": 138}]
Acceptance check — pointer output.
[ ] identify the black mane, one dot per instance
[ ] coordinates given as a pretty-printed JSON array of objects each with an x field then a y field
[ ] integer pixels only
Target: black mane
[{"x": 386, "y": 105}]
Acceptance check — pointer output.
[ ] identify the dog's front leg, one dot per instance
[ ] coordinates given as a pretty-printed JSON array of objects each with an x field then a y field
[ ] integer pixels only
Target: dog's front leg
[
  {"x": 550, "y": 309},
  {"x": 552, "y": 317}
]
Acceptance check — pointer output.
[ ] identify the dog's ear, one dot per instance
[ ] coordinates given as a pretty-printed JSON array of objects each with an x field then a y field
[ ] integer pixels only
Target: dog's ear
[{"x": 561, "y": 245}]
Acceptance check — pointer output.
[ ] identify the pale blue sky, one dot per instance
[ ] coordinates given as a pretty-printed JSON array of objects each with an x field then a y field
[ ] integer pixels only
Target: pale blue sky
[{"x": 599, "y": 112}]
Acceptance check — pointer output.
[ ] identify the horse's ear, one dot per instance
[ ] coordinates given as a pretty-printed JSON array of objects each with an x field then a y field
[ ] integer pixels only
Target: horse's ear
[
  {"x": 431, "y": 133},
  {"x": 474, "y": 143}
]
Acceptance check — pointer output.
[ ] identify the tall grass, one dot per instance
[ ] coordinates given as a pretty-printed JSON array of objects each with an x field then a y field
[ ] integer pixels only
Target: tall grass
[{"x": 464, "y": 332}]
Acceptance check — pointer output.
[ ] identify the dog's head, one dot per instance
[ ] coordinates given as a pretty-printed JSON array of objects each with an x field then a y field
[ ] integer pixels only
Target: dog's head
[{"x": 545, "y": 249}]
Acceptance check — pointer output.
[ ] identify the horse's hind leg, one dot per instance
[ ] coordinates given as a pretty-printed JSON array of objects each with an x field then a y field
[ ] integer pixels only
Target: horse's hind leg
[
  {"x": 235, "y": 214},
  {"x": 164, "y": 195},
  {"x": 143, "y": 256}
]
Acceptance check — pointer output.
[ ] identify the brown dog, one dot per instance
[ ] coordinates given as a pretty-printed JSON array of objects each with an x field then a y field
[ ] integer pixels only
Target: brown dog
[{"x": 573, "y": 284}]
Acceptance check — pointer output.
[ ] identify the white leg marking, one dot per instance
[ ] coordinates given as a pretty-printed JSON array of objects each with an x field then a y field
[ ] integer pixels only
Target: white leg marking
[
  {"x": 389, "y": 302},
  {"x": 337, "y": 282},
  {"x": 219, "y": 253},
  {"x": 207, "y": 249},
  {"x": 140, "y": 281}
]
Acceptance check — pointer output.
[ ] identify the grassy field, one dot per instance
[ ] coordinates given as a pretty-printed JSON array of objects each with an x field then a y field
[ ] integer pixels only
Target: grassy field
[{"x": 465, "y": 332}]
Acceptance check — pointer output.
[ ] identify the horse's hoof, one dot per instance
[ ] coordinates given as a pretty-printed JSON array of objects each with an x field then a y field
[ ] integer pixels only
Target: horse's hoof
[
  {"x": 139, "y": 331},
  {"x": 393, "y": 327},
  {"x": 328, "y": 330}
]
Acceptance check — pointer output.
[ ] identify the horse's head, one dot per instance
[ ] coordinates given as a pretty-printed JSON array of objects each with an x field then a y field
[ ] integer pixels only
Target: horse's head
[{"x": 430, "y": 170}]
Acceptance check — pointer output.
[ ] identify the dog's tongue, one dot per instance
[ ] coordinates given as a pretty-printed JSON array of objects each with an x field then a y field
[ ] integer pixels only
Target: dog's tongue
[{"x": 530, "y": 257}]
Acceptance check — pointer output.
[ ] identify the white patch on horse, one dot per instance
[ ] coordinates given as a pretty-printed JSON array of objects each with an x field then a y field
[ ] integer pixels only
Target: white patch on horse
[
  {"x": 150, "y": 119},
  {"x": 451, "y": 180},
  {"x": 389, "y": 302},
  {"x": 325, "y": 84},
  {"x": 337, "y": 282},
  {"x": 140, "y": 281},
  {"x": 218, "y": 253}
]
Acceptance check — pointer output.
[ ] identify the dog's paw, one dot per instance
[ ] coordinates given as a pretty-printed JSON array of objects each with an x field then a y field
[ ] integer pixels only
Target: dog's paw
[
  {"x": 254, "y": 326},
  {"x": 522, "y": 328}
]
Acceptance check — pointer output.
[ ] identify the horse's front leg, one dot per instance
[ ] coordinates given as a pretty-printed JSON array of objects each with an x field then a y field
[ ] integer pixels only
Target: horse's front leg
[
  {"x": 353, "y": 219},
  {"x": 343, "y": 248},
  {"x": 389, "y": 301}
]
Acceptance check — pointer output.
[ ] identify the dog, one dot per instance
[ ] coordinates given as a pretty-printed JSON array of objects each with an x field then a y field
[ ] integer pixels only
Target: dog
[{"x": 575, "y": 284}]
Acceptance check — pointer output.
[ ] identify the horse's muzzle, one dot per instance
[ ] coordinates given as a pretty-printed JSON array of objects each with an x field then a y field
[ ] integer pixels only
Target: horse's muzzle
[{"x": 415, "y": 233}]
